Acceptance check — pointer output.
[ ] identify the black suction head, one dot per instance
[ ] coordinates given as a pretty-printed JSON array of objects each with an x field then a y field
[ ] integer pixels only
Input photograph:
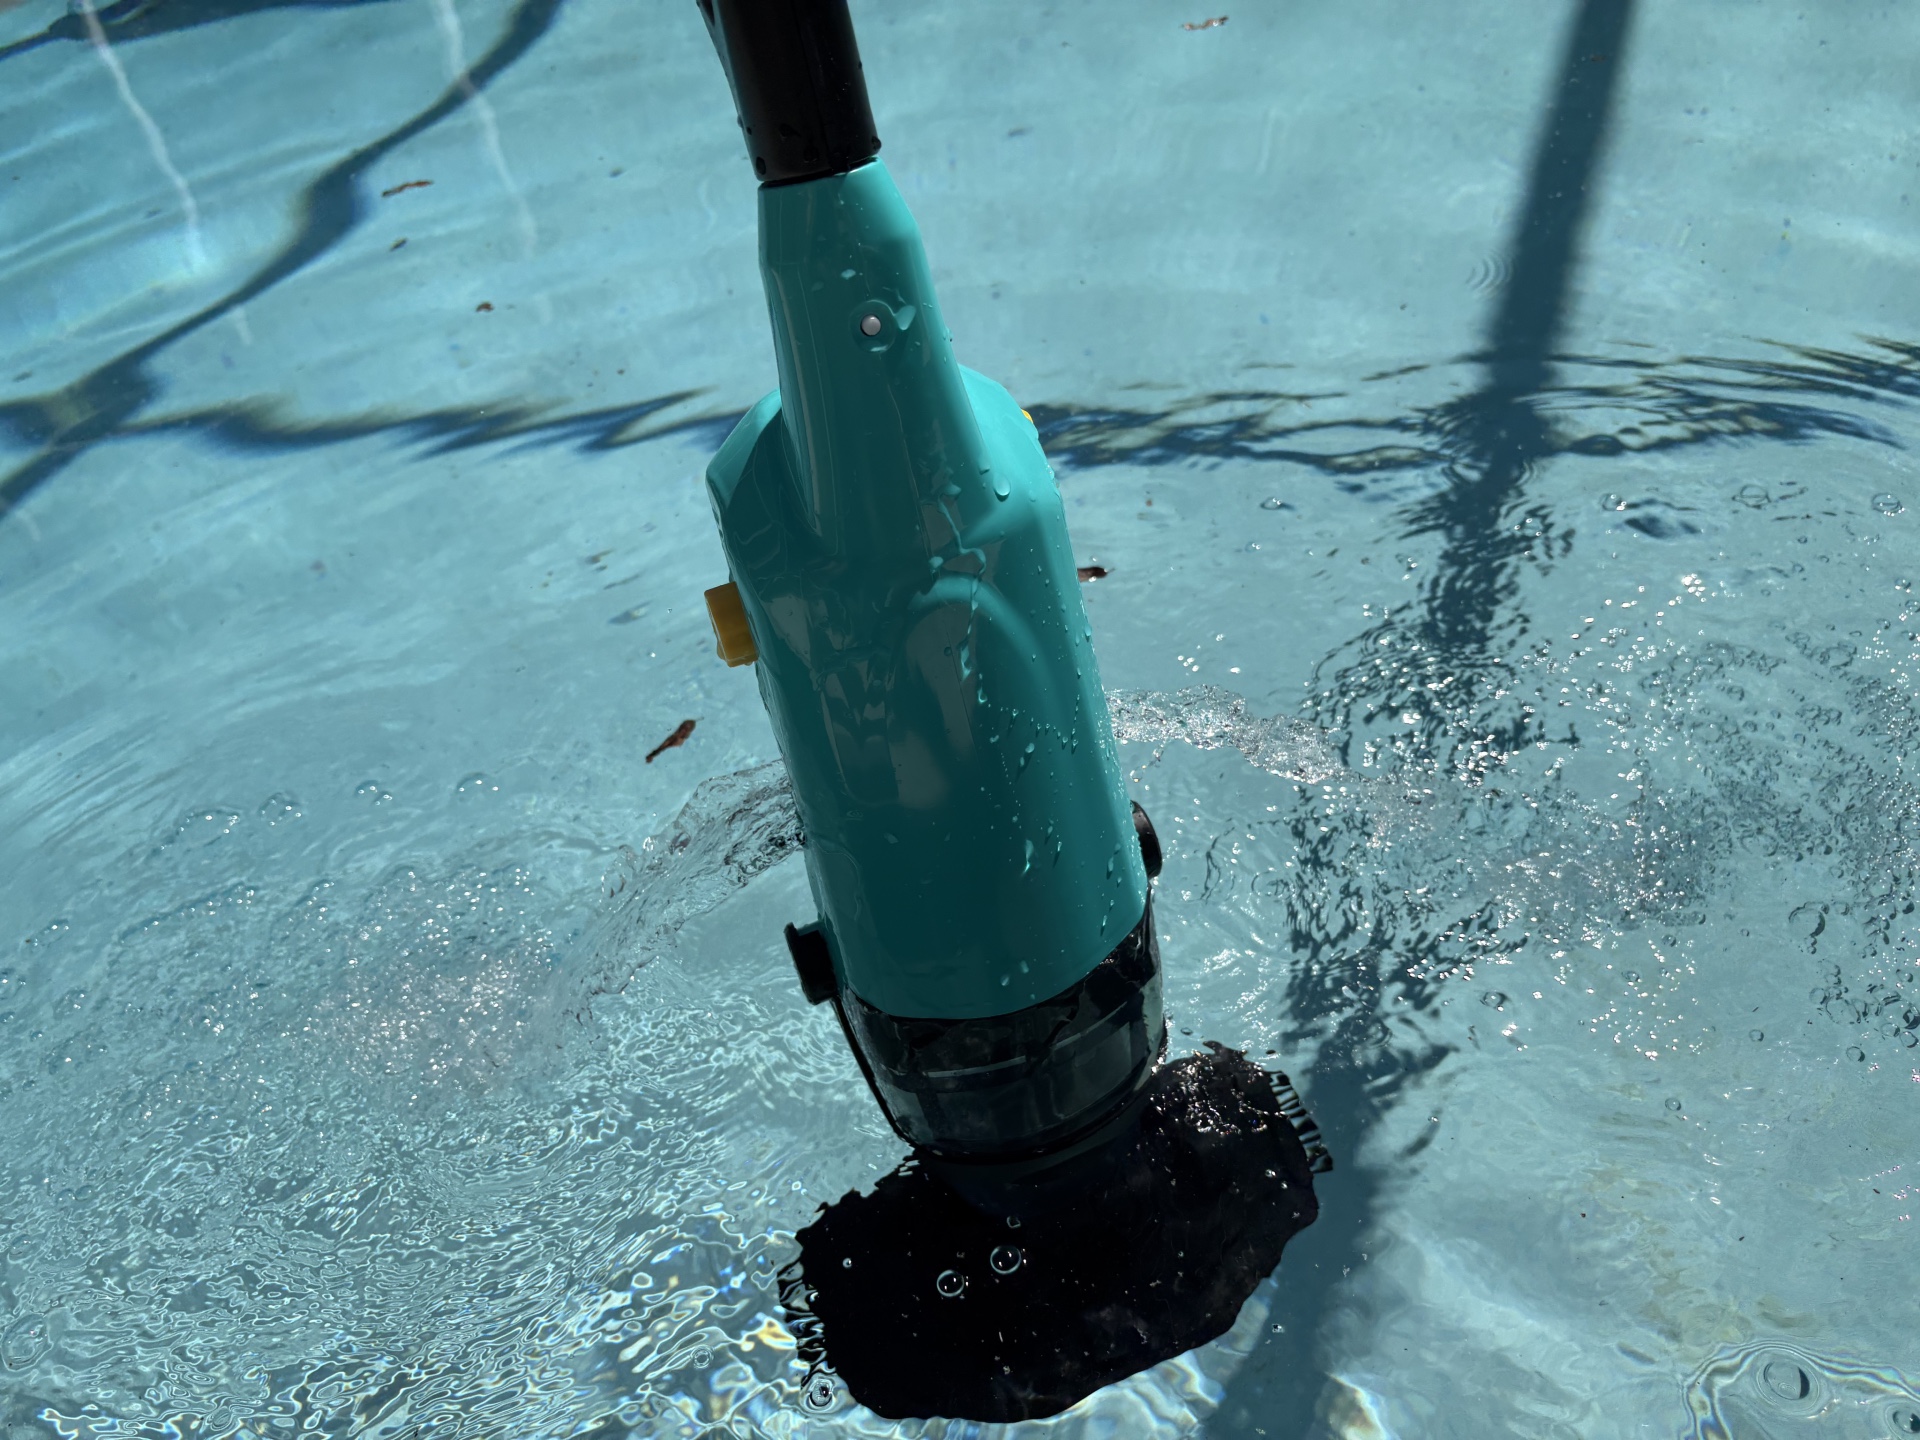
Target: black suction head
[
  {"x": 797, "y": 83},
  {"x": 926, "y": 1303}
]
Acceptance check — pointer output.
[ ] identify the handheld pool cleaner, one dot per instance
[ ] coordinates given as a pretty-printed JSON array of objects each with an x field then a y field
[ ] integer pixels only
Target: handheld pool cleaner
[{"x": 902, "y": 581}]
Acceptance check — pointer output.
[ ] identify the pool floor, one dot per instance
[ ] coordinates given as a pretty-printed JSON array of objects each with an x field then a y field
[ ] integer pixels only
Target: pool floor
[{"x": 1496, "y": 430}]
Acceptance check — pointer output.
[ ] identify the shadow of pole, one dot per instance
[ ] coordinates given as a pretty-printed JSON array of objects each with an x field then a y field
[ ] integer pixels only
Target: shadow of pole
[
  {"x": 138, "y": 19},
  {"x": 1496, "y": 436},
  {"x": 1497, "y": 431},
  {"x": 98, "y": 406}
]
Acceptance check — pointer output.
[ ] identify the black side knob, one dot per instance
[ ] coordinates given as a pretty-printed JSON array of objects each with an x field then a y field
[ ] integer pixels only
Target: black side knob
[
  {"x": 797, "y": 84},
  {"x": 813, "y": 961},
  {"x": 1149, "y": 841}
]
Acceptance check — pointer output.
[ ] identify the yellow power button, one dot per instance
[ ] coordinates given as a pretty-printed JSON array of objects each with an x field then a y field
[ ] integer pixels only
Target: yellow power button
[{"x": 732, "y": 636}]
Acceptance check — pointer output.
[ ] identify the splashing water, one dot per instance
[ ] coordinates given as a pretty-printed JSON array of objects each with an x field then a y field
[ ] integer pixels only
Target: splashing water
[
  {"x": 295, "y": 1154},
  {"x": 1210, "y": 718},
  {"x": 733, "y": 828}
]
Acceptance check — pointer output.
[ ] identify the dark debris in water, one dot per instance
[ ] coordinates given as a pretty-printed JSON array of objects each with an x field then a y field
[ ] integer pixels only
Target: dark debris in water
[
  {"x": 673, "y": 741},
  {"x": 925, "y": 1305}
]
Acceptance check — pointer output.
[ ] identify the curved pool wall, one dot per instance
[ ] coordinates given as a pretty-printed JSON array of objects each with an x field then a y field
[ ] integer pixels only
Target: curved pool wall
[{"x": 1525, "y": 407}]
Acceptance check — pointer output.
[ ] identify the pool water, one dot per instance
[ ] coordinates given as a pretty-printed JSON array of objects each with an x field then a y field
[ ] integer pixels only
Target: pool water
[{"x": 1496, "y": 426}]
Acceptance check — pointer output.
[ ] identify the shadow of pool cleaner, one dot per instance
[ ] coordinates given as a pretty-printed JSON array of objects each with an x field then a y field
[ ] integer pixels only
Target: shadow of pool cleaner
[{"x": 1034, "y": 1293}]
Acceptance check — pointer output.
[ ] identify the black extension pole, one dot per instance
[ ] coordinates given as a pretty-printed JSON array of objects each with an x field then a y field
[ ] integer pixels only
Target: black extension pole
[{"x": 797, "y": 84}]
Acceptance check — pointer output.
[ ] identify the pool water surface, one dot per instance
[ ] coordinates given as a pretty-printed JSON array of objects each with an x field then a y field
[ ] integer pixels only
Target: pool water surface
[{"x": 1495, "y": 428}]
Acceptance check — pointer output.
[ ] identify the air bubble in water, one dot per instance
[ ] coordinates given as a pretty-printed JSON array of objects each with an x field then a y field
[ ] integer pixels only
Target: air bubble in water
[
  {"x": 1633, "y": 977},
  {"x": 1756, "y": 1035},
  {"x": 1786, "y": 1379},
  {"x": 819, "y": 1393},
  {"x": 1904, "y": 1421},
  {"x": 478, "y": 783},
  {"x": 1611, "y": 501},
  {"x": 1673, "y": 1103},
  {"x": 702, "y": 1358},
  {"x": 278, "y": 807},
  {"x": 1855, "y": 1053},
  {"x": 847, "y": 1264},
  {"x": 1752, "y": 496},
  {"x": 24, "y": 1342},
  {"x": 1494, "y": 999},
  {"x": 1005, "y": 1259},
  {"x": 1273, "y": 502},
  {"x": 1887, "y": 503},
  {"x": 951, "y": 1284}
]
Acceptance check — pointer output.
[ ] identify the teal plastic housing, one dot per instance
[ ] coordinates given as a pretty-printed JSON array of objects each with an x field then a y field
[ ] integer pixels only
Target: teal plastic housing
[{"x": 901, "y": 551}]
